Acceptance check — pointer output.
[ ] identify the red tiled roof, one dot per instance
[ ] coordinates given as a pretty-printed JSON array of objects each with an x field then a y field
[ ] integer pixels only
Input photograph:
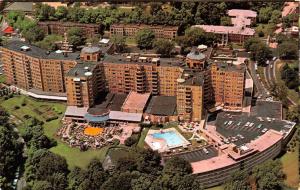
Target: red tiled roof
[{"x": 8, "y": 30}]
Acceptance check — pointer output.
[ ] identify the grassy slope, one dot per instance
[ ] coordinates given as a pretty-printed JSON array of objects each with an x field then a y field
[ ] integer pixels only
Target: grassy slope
[
  {"x": 73, "y": 155},
  {"x": 290, "y": 167}
]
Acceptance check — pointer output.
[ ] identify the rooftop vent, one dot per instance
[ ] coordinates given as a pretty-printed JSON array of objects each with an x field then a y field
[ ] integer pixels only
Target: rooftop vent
[{"x": 25, "y": 48}]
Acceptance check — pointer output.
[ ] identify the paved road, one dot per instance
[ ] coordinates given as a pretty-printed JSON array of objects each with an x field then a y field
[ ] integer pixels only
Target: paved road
[
  {"x": 270, "y": 75},
  {"x": 261, "y": 90}
]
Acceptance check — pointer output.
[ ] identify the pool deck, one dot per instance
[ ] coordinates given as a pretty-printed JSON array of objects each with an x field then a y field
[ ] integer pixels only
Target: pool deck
[{"x": 160, "y": 144}]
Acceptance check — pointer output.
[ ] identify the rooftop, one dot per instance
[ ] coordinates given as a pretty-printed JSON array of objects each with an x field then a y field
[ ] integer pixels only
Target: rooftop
[
  {"x": 109, "y": 102},
  {"x": 121, "y": 59},
  {"x": 265, "y": 141},
  {"x": 227, "y": 29},
  {"x": 162, "y": 105},
  {"x": 165, "y": 27},
  {"x": 90, "y": 49},
  {"x": 198, "y": 155},
  {"x": 196, "y": 55},
  {"x": 192, "y": 79},
  {"x": 135, "y": 102},
  {"x": 240, "y": 129},
  {"x": 20, "y": 6},
  {"x": 272, "y": 109},
  {"x": 82, "y": 69},
  {"x": 37, "y": 52},
  {"x": 230, "y": 67},
  {"x": 242, "y": 13}
]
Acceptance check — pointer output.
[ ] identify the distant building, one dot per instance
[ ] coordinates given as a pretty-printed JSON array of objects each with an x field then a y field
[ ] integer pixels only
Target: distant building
[
  {"x": 239, "y": 32},
  {"x": 60, "y": 28},
  {"x": 130, "y": 30}
]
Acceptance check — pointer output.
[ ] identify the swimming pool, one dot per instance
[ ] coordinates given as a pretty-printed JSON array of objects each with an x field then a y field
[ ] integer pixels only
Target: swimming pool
[{"x": 171, "y": 137}]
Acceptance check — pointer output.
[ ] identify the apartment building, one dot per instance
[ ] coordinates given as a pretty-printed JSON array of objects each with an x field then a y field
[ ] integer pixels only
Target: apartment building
[
  {"x": 29, "y": 67},
  {"x": 130, "y": 30},
  {"x": 60, "y": 28},
  {"x": 227, "y": 85},
  {"x": 84, "y": 82},
  {"x": 190, "y": 97},
  {"x": 142, "y": 74}
]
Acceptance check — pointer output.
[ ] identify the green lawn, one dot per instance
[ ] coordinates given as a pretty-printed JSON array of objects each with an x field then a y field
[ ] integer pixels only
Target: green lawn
[
  {"x": 216, "y": 188},
  {"x": 73, "y": 156},
  {"x": 2, "y": 78},
  {"x": 290, "y": 167},
  {"x": 130, "y": 42}
]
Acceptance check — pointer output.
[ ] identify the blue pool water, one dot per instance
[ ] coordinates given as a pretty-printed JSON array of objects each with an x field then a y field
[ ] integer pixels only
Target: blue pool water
[{"x": 170, "y": 137}]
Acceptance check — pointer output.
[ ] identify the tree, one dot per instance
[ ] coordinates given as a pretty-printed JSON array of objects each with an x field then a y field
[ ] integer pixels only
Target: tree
[
  {"x": 269, "y": 175},
  {"x": 259, "y": 51},
  {"x": 225, "y": 21},
  {"x": 42, "y": 185},
  {"x": 293, "y": 113},
  {"x": 10, "y": 153},
  {"x": 195, "y": 36},
  {"x": 275, "y": 17},
  {"x": 265, "y": 14},
  {"x": 120, "y": 181},
  {"x": 164, "y": 47},
  {"x": 61, "y": 13},
  {"x": 44, "y": 12},
  {"x": 49, "y": 42},
  {"x": 13, "y": 16},
  {"x": 148, "y": 161},
  {"x": 76, "y": 37},
  {"x": 43, "y": 164},
  {"x": 288, "y": 50},
  {"x": 239, "y": 180},
  {"x": 177, "y": 166},
  {"x": 119, "y": 43},
  {"x": 145, "y": 38},
  {"x": 280, "y": 92},
  {"x": 33, "y": 34}
]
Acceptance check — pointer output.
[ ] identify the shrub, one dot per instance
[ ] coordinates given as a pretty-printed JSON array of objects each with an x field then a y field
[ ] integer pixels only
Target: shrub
[
  {"x": 51, "y": 118},
  {"x": 11, "y": 96},
  {"x": 116, "y": 142},
  {"x": 132, "y": 140},
  {"x": 6, "y": 98},
  {"x": 17, "y": 107},
  {"x": 23, "y": 104}
]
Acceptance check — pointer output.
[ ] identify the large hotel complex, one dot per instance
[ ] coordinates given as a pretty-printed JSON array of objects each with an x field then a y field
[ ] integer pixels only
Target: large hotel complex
[{"x": 102, "y": 86}]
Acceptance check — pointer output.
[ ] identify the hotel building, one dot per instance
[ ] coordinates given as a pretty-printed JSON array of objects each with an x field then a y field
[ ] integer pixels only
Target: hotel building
[{"x": 130, "y": 30}]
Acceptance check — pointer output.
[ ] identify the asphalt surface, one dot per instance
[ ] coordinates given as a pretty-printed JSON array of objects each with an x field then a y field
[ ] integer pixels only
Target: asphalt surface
[{"x": 261, "y": 91}]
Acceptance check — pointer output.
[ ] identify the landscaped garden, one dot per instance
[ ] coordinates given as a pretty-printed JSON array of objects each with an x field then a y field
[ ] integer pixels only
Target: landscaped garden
[{"x": 23, "y": 109}]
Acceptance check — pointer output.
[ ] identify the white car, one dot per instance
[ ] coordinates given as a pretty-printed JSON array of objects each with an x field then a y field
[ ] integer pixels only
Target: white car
[{"x": 274, "y": 58}]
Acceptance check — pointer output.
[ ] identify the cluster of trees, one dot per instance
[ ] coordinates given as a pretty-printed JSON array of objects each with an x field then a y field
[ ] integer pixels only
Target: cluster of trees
[
  {"x": 260, "y": 52},
  {"x": 11, "y": 150},
  {"x": 143, "y": 171},
  {"x": 290, "y": 76},
  {"x": 177, "y": 13},
  {"x": 267, "y": 176},
  {"x": 287, "y": 48}
]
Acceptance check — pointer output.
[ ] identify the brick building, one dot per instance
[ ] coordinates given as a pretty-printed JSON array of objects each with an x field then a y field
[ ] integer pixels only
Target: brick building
[
  {"x": 30, "y": 67},
  {"x": 56, "y": 27},
  {"x": 130, "y": 30}
]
